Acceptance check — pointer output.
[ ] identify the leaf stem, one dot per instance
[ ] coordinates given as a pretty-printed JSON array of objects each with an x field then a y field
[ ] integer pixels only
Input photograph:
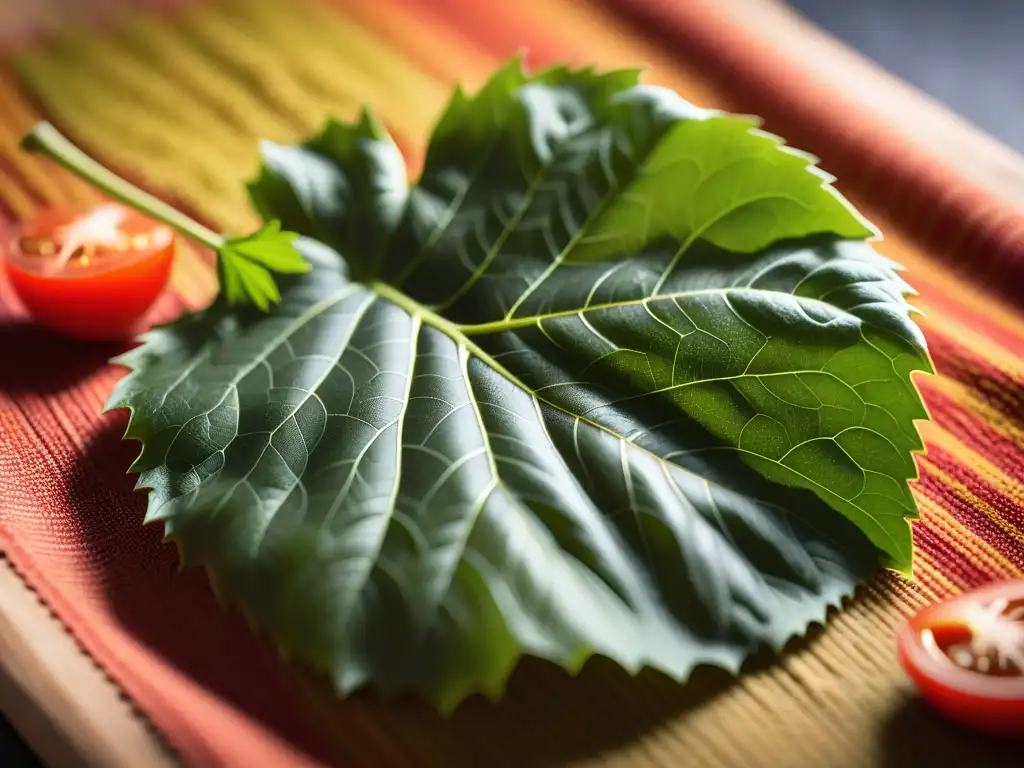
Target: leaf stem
[
  {"x": 440, "y": 323},
  {"x": 48, "y": 141}
]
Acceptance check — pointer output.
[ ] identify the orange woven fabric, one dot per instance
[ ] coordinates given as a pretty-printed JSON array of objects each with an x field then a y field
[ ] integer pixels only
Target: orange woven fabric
[{"x": 178, "y": 103}]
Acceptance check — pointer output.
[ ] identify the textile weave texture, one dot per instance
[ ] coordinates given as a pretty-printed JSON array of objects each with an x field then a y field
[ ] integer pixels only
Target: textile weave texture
[{"x": 178, "y": 102}]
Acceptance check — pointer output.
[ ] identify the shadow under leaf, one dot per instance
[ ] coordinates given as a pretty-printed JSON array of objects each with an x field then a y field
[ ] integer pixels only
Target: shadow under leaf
[
  {"x": 547, "y": 717},
  {"x": 36, "y": 361},
  {"x": 915, "y": 735}
]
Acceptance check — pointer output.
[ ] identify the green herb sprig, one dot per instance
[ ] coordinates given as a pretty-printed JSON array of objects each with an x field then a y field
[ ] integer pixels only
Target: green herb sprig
[{"x": 246, "y": 265}]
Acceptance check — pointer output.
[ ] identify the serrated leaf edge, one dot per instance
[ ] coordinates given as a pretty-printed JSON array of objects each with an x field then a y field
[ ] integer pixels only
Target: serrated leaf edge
[{"x": 367, "y": 119}]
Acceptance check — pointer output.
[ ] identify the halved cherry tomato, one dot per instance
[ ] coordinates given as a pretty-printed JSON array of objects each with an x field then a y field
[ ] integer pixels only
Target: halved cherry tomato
[
  {"x": 966, "y": 656},
  {"x": 90, "y": 274}
]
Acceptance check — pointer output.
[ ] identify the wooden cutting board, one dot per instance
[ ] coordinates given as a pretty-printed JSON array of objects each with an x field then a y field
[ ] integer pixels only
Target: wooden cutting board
[
  {"x": 68, "y": 712},
  {"x": 64, "y": 707}
]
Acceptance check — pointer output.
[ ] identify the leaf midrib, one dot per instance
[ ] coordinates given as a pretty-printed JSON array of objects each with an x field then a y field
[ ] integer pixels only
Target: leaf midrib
[
  {"x": 515, "y": 323},
  {"x": 461, "y": 334}
]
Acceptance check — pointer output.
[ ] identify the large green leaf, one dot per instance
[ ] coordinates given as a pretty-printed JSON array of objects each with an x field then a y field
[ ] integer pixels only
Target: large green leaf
[{"x": 618, "y": 376}]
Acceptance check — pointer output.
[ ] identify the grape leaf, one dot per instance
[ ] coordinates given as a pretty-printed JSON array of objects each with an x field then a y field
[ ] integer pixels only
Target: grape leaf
[{"x": 618, "y": 375}]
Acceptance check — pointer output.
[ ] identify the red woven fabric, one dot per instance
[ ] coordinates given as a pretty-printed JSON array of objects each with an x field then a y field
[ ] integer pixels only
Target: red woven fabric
[{"x": 70, "y": 523}]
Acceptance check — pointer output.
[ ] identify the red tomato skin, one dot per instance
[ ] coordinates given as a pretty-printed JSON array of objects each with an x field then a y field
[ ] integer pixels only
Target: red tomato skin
[
  {"x": 942, "y": 684},
  {"x": 996, "y": 717},
  {"x": 99, "y": 304}
]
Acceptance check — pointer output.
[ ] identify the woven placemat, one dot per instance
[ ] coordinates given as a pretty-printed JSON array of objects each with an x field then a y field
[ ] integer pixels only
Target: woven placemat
[{"x": 179, "y": 103}]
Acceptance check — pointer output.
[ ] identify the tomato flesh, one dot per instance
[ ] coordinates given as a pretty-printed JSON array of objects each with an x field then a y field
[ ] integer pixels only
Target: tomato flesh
[
  {"x": 966, "y": 657},
  {"x": 93, "y": 274}
]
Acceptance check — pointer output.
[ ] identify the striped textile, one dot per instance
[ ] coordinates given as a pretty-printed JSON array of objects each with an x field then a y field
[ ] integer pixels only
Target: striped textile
[{"x": 178, "y": 103}]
